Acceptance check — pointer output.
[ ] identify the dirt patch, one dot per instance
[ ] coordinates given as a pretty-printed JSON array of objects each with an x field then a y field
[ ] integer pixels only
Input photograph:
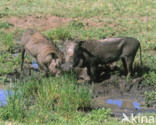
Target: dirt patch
[
  {"x": 38, "y": 22},
  {"x": 92, "y": 23},
  {"x": 99, "y": 23}
]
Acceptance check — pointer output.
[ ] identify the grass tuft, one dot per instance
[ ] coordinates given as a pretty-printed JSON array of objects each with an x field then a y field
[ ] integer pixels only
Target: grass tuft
[{"x": 55, "y": 95}]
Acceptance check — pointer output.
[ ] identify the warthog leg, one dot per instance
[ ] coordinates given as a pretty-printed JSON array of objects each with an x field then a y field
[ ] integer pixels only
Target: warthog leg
[
  {"x": 129, "y": 62},
  {"x": 124, "y": 64}
]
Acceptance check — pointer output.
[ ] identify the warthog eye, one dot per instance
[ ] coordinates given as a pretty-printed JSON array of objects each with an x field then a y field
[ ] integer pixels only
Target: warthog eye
[
  {"x": 54, "y": 56},
  {"x": 57, "y": 66}
]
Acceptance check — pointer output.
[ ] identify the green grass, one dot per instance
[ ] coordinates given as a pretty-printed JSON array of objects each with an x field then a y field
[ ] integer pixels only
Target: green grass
[
  {"x": 81, "y": 8},
  {"x": 6, "y": 41},
  {"x": 150, "y": 97},
  {"x": 8, "y": 61},
  {"x": 55, "y": 100},
  {"x": 5, "y": 25},
  {"x": 78, "y": 30}
]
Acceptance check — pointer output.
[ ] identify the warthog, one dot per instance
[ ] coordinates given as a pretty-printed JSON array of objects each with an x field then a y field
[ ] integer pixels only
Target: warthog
[
  {"x": 46, "y": 53},
  {"x": 94, "y": 53},
  {"x": 81, "y": 73}
]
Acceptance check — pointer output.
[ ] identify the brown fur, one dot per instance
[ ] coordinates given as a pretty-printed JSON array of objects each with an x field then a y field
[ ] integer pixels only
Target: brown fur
[{"x": 46, "y": 53}]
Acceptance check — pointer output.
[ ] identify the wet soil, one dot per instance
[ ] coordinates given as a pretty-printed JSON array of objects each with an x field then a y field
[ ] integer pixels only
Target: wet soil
[
  {"x": 121, "y": 95},
  {"x": 123, "y": 92}
]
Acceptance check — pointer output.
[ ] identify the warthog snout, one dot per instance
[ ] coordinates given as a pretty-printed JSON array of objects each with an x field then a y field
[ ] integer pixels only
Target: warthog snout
[
  {"x": 66, "y": 66},
  {"x": 55, "y": 67}
]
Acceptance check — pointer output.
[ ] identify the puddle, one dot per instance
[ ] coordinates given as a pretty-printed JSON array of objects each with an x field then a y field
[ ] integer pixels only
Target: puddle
[
  {"x": 121, "y": 96},
  {"x": 136, "y": 105},
  {"x": 114, "y": 102},
  {"x": 120, "y": 103},
  {"x": 15, "y": 54},
  {"x": 4, "y": 96},
  {"x": 34, "y": 65}
]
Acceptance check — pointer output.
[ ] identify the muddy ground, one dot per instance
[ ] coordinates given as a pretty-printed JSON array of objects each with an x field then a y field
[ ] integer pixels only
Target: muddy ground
[
  {"x": 121, "y": 95},
  {"x": 109, "y": 93}
]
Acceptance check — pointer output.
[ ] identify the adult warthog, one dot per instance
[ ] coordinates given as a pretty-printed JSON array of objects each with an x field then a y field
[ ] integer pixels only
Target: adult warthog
[
  {"x": 46, "y": 53},
  {"x": 105, "y": 51}
]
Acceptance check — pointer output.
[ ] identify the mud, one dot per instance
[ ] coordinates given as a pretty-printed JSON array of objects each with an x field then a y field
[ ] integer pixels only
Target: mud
[
  {"x": 121, "y": 95},
  {"x": 116, "y": 93}
]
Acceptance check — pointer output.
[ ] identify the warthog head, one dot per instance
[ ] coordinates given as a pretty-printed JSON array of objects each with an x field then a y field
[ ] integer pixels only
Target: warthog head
[
  {"x": 69, "y": 47},
  {"x": 55, "y": 66}
]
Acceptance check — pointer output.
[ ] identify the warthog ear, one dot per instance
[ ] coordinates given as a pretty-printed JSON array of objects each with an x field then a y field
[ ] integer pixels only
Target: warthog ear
[{"x": 54, "y": 56}]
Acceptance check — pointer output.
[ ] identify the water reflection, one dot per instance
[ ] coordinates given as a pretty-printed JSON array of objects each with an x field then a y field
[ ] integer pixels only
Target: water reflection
[{"x": 4, "y": 96}]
